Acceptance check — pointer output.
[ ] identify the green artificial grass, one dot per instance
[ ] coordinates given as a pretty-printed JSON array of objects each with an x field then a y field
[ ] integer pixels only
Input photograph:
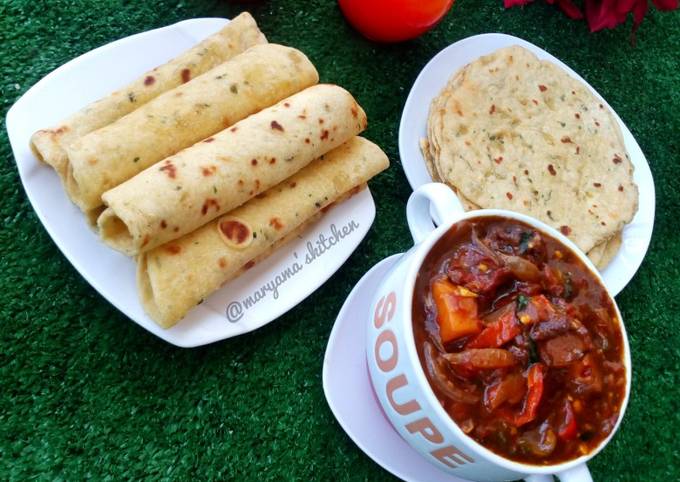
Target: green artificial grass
[{"x": 87, "y": 393}]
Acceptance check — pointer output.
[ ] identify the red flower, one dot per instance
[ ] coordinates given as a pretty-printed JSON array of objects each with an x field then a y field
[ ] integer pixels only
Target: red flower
[{"x": 605, "y": 13}]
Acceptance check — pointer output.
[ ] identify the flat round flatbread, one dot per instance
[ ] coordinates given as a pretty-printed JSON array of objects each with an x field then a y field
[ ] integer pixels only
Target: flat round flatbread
[
  {"x": 602, "y": 254},
  {"x": 510, "y": 131}
]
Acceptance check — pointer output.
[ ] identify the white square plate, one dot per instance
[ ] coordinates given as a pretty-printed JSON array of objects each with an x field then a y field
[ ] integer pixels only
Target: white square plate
[
  {"x": 259, "y": 296},
  {"x": 432, "y": 79}
]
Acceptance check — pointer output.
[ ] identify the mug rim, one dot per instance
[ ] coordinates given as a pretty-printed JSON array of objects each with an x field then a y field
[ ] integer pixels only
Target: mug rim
[{"x": 419, "y": 255}]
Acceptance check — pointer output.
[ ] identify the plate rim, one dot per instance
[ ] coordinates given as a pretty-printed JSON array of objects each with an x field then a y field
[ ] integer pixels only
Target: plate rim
[{"x": 643, "y": 170}]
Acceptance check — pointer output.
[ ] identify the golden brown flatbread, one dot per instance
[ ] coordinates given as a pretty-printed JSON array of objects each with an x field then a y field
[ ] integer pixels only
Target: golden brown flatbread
[
  {"x": 173, "y": 278},
  {"x": 251, "y": 81},
  {"x": 198, "y": 184},
  {"x": 238, "y": 35}
]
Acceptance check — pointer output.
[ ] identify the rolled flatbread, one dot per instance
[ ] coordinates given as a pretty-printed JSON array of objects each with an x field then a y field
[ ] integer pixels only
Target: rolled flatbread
[
  {"x": 238, "y": 35},
  {"x": 251, "y": 81},
  {"x": 173, "y": 278},
  {"x": 198, "y": 184}
]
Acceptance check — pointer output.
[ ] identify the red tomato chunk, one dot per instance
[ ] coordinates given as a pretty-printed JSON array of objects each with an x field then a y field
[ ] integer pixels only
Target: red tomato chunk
[{"x": 519, "y": 341}]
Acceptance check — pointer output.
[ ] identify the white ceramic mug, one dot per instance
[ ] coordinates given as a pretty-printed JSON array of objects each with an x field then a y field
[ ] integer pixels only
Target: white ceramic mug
[{"x": 398, "y": 377}]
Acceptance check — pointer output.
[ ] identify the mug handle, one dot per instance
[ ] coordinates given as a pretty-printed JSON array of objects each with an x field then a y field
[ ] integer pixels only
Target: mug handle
[
  {"x": 579, "y": 473},
  {"x": 432, "y": 199}
]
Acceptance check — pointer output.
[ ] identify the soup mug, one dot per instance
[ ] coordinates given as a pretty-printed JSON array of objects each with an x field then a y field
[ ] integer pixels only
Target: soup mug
[{"x": 398, "y": 377}]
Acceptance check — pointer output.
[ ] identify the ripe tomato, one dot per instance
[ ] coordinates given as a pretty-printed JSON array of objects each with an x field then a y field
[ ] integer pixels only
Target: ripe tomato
[{"x": 394, "y": 20}]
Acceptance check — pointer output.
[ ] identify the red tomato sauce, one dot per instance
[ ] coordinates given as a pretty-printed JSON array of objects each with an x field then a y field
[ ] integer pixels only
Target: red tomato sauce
[{"x": 519, "y": 341}]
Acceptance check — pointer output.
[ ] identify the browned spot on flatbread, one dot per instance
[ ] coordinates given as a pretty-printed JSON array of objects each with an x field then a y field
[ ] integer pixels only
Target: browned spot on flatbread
[
  {"x": 149, "y": 80},
  {"x": 169, "y": 168},
  {"x": 276, "y": 223},
  {"x": 222, "y": 262},
  {"x": 186, "y": 75},
  {"x": 173, "y": 248},
  {"x": 235, "y": 231},
  {"x": 209, "y": 139},
  {"x": 208, "y": 170},
  {"x": 209, "y": 202},
  {"x": 327, "y": 207},
  {"x": 276, "y": 126}
]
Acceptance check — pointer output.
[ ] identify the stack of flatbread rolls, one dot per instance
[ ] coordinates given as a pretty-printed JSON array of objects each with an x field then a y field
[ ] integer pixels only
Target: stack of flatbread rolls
[{"x": 205, "y": 165}]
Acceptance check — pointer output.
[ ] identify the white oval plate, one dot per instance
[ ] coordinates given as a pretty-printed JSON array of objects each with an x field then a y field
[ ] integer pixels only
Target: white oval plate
[
  {"x": 258, "y": 297},
  {"x": 433, "y": 78}
]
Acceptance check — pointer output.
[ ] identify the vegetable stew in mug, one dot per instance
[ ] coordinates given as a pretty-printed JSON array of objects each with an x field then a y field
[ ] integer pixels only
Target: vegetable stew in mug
[{"x": 519, "y": 341}]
